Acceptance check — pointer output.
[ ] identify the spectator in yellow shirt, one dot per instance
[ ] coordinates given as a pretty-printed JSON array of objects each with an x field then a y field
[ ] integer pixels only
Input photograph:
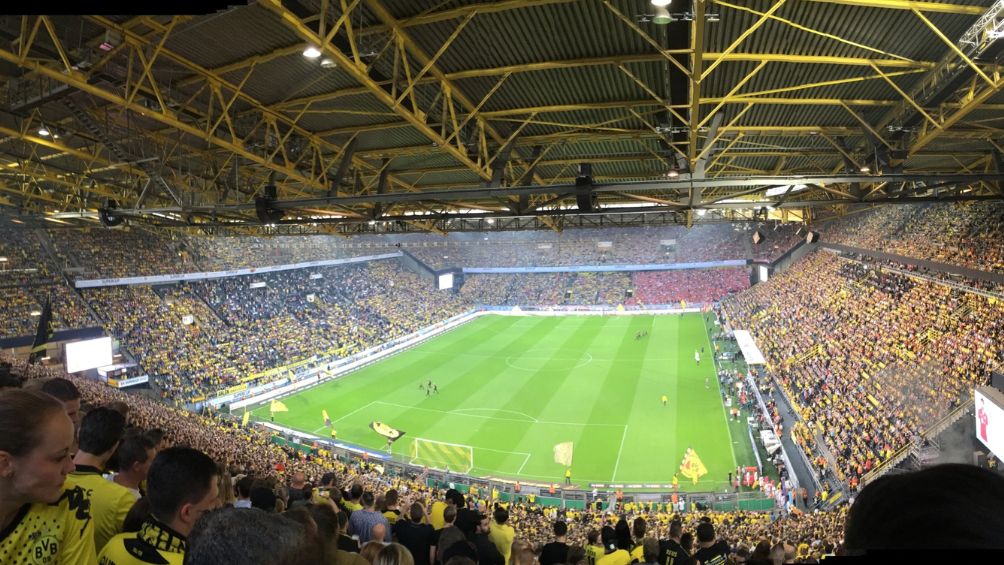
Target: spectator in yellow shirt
[
  {"x": 37, "y": 513},
  {"x": 502, "y": 534},
  {"x": 101, "y": 431}
]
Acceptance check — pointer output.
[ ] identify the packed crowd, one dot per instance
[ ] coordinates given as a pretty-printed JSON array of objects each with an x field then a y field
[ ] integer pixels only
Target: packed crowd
[
  {"x": 599, "y": 288},
  {"x": 691, "y": 286},
  {"x": 614, "y": 246},
  {"x": 22, "y": 307},
  {"x": 23, "y": 260},
  {"x": 105, "y": 253},
  {"x": 198, "y": 337},
  {"x": 35, "y": 260},
  {"x": 639, "y": 288},
  {"x": 28, "y": 277},
  {"x": 253, "y": 471},
  {"x": 220, "y": 254},
  {"x": 120, "y": 253},
  {"x": 968, "y": 234},
  {"x": 899, "y": 353}
]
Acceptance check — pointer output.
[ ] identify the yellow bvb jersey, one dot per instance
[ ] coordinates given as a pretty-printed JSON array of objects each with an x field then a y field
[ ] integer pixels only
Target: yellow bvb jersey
[
  {"x": 638, "y": 553},
  {"x": 110, "y": 502},
  {"x": 154, "y": 544},
  {"x": 61, "y": 533}
]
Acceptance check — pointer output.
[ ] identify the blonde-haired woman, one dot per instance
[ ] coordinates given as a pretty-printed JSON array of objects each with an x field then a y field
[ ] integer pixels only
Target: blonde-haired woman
[
  {"x": 43, "y": 523},
  {"x": 394, "y": 554}
]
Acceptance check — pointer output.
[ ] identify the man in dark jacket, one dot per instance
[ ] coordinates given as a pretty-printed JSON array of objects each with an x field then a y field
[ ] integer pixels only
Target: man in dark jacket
[
  {"x": 416, "y": 535},
  {"x": 488, "y": 554}
]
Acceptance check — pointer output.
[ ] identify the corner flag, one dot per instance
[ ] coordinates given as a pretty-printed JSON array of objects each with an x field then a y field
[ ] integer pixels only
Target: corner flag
[
  {"x": 42, "y": 334},
  {"x": 692, "y": 467},
  {"x": 277, "y": 406},
  {"x": 563, "y": 454},
  {"x": 327, "y": 419}
]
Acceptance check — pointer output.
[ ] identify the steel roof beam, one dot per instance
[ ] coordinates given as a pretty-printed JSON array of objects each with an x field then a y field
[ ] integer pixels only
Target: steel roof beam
[
  {"x": 750, "y": 185},
  {"x": 472, "y": 109},
  {"x": 612, "y": 61},
  {"x": 361, "y": 75},
  {"x": 267, "y": 115},
  {"x": 936, "y": 7}
]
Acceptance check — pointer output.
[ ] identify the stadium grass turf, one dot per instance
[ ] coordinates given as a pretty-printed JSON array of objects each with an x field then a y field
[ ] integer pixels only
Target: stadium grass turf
[{"x": 513, "y": 387}]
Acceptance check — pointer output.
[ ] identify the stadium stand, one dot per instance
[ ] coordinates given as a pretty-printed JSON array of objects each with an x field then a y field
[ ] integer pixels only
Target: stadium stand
[
  {"x": 898, "y": 354},
  {"x": 967, "y": 234},
  {"x": 28, "y": 277},
  {"x": 692, "y": 286},
  {"x": 119, "y": 253},
  {"x": 647, "y": 287},
  {"x": 239, "y": 331}
]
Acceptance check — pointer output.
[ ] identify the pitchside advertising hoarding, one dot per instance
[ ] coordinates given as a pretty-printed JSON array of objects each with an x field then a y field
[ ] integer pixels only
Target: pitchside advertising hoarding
[{"x": 989, "y": 412}]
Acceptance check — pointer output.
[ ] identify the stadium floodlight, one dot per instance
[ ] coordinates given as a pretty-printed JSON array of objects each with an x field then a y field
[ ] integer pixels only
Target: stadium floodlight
[
  {"x": 779, "y": 190},
  {"x": 662, "y": 16},
  {"x": 311, "y": 52},
  {"x": 661, "y": 3}
]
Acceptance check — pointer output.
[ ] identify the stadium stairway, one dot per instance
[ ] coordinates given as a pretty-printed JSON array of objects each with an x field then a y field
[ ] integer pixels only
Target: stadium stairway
[
  {"x": 803, "y": 471},
  {"x": 748, "y": 246},
  {"x": 198, "y": 296},
  {"x": 916, "y": 448},
  {"x": 948, "y": 420},
  {"x": 87, "y": 304},
  {"x": 42, "y": 237}
]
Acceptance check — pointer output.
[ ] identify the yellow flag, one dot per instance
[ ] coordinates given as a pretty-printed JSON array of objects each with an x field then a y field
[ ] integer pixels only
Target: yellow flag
[
  {"x": 563, "y": 454},
  {"x": 327, "y": 419},
  {"x": 692, "y": 467},
  {"x": 246, "y": 418},
  {"x": 277, "y": 406}
]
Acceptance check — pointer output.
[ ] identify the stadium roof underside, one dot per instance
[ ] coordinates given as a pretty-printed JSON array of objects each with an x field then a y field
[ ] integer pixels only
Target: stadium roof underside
[{"x": 548, "y": 113}]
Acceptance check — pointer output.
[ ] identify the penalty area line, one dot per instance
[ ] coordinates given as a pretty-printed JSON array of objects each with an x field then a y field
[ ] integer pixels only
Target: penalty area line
[{"x": 618, "y": 463}]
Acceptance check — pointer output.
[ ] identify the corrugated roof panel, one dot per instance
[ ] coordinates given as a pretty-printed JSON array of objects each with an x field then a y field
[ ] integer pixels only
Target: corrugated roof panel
[
  {"x": 233, "y": 35},
  {"x": 389, "y": 138},
  {"x": 536, "y": 33}
]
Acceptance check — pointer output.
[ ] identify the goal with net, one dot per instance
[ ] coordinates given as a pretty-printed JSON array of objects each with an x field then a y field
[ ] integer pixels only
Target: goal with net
[{"x": 442, "y": 455}]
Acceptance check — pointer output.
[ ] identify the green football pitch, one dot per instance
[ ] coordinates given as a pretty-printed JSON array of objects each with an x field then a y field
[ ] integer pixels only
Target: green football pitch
[{"x": 511, "y": 388}]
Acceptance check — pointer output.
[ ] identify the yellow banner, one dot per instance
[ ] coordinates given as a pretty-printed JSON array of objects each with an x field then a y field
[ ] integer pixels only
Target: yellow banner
[{"x": 233, "y": 389}]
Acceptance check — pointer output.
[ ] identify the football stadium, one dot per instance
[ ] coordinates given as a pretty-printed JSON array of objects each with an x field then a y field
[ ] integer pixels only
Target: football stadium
[{"x": 528, "y": 282}]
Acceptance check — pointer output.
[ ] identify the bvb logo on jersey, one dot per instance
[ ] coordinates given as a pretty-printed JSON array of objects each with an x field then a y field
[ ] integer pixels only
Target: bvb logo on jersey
[{"x": 44, "y": 550}]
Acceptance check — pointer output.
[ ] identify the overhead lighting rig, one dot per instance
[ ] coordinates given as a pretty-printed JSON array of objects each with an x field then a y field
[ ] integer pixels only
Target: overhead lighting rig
[{"x": 662, "y": 16}]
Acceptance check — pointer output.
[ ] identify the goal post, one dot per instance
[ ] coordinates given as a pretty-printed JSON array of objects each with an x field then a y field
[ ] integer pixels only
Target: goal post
[{"x": 442, "y": 455}]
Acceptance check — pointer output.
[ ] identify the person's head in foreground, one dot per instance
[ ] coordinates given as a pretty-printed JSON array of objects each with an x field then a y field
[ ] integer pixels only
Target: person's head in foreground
[
  {"x": 238, "y": 536},
  {"x": 950, "y": 506}
]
